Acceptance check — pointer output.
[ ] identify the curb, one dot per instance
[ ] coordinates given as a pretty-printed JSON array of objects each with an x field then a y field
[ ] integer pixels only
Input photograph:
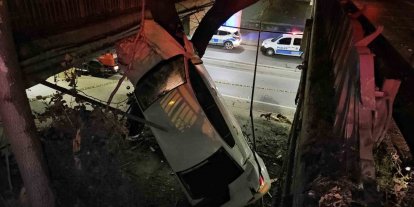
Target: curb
[{"x": 260, "y": 107}]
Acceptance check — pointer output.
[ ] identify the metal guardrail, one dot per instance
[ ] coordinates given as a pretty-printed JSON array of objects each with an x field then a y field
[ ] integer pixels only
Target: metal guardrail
[{"x": 360, "y": 103}]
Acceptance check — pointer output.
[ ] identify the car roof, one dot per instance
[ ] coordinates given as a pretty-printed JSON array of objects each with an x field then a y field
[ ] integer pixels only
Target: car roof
[
  {"x": 292, "y": 35},
  {"x": 228, "y": 29}
]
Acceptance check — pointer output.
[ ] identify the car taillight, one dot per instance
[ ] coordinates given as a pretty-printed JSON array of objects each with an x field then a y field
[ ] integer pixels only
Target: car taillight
[
  {"x": 264, "y": 187},
  {"x": 261, "y": 181}
]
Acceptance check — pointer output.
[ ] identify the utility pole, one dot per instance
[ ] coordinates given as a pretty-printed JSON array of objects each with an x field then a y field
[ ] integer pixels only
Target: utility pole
[{"x": 18, "y": 120}]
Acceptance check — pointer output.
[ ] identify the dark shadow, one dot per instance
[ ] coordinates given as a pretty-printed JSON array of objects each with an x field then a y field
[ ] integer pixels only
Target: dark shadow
[{"x": 220, "y": 48}]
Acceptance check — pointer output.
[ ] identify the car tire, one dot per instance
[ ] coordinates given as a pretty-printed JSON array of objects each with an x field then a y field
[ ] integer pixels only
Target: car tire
[
  {"x": 270, "y": 52},
  {"x": 94, "y": 71},
  {"x": 228, "y": 45},
  {"x": 94, "y": 68}
]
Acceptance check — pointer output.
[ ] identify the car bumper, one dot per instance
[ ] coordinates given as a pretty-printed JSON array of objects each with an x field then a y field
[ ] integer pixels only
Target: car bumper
[
  {"x": 247, "y": 189},
  {"x": 236, "y": 43},
  {"x": 261, "y": 192}
]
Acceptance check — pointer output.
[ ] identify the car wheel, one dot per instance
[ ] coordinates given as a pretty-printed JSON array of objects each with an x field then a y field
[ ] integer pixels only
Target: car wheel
[
  {"x": 270, "y": 52},
  {"x": 94, "y": 68},
  {"x": 228, "y": 45}
]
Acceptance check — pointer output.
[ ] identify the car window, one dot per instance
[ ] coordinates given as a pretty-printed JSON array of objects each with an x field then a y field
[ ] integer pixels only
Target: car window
[
  {"x": 285, "y": 41},
  {"x": 211, "y": 176},
  {"x": 209, "y": 106},
  {"x": 297, "y": 41},
  {"x": 220, "y": 32},
  {"x": 161, "y": 79},
  {"x": 94, "y": 64},
  {"x": 237, "y": 33}
]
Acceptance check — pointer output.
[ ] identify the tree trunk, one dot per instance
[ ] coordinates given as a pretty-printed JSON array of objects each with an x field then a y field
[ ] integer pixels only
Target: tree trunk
[{"x": 18, "y": 120}]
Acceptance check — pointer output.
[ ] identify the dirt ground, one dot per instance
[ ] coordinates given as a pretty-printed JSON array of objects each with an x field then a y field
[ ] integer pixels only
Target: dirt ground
[{"x": 103, "y": 169}]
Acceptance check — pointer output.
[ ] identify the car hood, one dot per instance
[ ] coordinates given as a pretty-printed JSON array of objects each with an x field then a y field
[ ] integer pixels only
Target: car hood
[{"x": 266, "y": 41}]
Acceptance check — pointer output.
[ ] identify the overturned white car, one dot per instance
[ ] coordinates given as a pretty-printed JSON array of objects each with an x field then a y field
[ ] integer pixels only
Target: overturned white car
[{"x": 202, "y": 141}]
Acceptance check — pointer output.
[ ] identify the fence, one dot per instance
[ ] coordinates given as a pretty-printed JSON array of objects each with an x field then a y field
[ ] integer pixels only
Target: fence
[{"x": 344, "y": 86}]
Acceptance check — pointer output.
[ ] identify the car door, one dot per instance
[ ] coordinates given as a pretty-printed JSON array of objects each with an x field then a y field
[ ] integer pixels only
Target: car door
[
  {"x": 296, "y": 46},
  {"x": 215, "y": 38},
  {"x": 283, "y": 46},
  {"x": 222, "y": 36}
]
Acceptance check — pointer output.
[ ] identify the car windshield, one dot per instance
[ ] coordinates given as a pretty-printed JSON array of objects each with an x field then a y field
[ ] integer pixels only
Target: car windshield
[{"x": 160, "y": 80}]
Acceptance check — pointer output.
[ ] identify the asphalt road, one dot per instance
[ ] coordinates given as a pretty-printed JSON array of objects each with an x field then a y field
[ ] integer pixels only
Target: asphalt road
[
  {"x": 277, "y": 78},
  {"x": 232, "y": 72},
  {"x": 247, "y": 54},
  {"x": 270, "y": 88}
]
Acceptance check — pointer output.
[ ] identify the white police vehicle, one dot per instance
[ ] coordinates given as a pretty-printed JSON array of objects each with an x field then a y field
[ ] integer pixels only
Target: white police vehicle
[
  {"x": 287, "y": 44},
  {"x": 228, "y": 37}
]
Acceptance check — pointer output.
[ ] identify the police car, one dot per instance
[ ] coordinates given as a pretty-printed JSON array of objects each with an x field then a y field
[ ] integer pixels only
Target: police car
[
  {"x": 287, "y": 44},
  {"x": 228, "y": 37}
]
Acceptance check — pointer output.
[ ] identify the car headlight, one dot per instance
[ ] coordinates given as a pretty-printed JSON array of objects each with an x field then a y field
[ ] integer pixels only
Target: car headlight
[{"x": 116, "y": 68}]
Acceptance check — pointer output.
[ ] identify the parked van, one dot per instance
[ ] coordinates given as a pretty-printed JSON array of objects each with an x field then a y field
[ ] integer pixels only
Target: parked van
[
  {"x": 287, "y": 44},
  {"x": 103, "y": 66},
  {"x": 228, "y": 37}
]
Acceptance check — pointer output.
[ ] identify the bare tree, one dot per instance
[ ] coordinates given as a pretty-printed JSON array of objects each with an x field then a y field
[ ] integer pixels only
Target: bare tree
[{"x": 18, "y": 120}]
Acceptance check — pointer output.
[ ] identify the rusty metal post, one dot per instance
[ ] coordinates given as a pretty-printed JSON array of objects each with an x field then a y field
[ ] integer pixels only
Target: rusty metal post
[{"x": 18, "y": 120}]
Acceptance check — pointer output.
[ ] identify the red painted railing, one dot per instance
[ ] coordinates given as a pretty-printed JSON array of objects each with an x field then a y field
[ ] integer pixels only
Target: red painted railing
[{"x": 364, "y": 102}]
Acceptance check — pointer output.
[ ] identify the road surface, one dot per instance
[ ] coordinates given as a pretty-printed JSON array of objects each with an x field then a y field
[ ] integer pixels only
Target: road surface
[
  {"x": 273, "y": 93},
  {"x": 232, "y": 72},
  {"x": 247, "y": 54}
]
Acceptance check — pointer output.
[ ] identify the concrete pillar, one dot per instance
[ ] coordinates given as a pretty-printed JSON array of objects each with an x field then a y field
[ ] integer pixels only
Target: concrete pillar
[{"x": 235, "y": 20}]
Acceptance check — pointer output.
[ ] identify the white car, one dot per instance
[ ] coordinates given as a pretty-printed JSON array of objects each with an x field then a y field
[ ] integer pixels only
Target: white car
[
  {"x": 199, "y": 137},
  {"x": 228, "y": 37},
  {"x": 203, "y": 142},
  {"x": 287, "y": 44}
]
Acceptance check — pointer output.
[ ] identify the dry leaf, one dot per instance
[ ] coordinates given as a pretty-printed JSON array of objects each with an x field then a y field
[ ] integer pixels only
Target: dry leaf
[{"x": 76, "y": 143}]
